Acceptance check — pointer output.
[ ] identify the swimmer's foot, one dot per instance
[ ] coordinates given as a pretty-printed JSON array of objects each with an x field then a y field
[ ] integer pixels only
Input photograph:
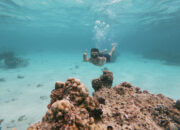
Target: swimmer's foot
[
  {"x": 105, "y": 50},
  {"x": 114, "y": 44}
]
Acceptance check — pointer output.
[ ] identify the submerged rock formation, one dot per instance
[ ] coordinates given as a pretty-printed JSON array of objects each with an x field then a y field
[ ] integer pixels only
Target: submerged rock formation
[
  {"x": 10, "y": 60},
  {"x": 71, "y": 107},
  {"x": 121, "y": 107},
  {"x": 104, "y": 80}
]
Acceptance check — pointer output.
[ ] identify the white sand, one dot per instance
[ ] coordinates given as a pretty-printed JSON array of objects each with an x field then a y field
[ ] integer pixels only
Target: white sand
[{"x": 22, "y": 96}]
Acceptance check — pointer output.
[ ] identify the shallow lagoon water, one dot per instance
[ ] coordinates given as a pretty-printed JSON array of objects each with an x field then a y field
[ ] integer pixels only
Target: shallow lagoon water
[{"x": 29, "y": 96}]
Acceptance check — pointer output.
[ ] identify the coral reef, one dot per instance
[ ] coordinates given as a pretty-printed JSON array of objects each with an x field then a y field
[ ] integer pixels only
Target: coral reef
[
  {"x": 20, "y": 77},
  {"x": 105, "y": 69},
  {"x": 71, "y": 107},
  {"x": 21, "y": 118},
  {"x": 104, "y": 80},
  {"x": 2, "y": 80},
  {"x": 10, "y": 60},
  {"x": 1, "y": 120},
  {"x": 123, "y": 107},
  {"x": 177, "y": 105}
]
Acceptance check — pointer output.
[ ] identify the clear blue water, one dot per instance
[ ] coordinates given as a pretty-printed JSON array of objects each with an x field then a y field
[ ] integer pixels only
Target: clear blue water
[{"x": 52, "y": 35}]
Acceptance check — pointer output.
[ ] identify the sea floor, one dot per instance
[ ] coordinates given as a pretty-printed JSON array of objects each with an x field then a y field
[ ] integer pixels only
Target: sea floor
[{"x": 24, "y": 93}]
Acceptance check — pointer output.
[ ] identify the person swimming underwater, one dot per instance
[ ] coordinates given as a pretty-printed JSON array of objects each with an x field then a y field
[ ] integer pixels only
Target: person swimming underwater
[{"x": 99, "y": 58}]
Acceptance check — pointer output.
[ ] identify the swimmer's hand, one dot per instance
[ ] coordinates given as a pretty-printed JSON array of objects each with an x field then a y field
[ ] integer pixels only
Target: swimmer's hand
[
  {"x": 85, "y": 56},
  {"x": 114, "y": 44},
  {"x": 105, "y": 50},
  {"x": 85, "y": 53}
]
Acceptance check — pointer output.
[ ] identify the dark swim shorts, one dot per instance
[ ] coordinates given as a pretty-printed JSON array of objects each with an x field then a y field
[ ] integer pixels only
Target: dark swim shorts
[{"x": 108, "y": 57}]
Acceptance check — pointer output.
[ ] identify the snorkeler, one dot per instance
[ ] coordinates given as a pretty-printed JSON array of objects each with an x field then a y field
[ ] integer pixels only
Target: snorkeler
[{"x": 99, "y": 58}]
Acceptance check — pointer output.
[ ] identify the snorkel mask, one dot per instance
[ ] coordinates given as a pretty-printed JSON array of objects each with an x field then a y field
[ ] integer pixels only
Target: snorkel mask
[{"x": 94, "y": 53}]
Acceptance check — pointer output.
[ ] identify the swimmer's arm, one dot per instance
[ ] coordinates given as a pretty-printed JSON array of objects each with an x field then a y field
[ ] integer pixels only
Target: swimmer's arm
[{"x": 85, "y": 57}]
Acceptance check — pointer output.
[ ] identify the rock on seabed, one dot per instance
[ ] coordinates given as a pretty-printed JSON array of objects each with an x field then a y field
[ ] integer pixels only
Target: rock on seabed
[{"x": 122, "y": 107}]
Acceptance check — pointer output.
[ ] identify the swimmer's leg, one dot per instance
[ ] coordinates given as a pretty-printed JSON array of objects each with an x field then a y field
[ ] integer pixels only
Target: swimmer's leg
[{"x": 113, "y": 49}]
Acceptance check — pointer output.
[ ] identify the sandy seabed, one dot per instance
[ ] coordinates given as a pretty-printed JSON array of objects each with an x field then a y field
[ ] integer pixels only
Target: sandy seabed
[{"x": 25, "y": 92}]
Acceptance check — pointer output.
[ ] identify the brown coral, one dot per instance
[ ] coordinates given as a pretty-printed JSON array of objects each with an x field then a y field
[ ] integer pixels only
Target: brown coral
[
  {"x": 71, "y": 107},
  {"x": 122, "y": 107},
  {"x": 177, "y": 105},
  {"x": 104, "y": 80}
]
